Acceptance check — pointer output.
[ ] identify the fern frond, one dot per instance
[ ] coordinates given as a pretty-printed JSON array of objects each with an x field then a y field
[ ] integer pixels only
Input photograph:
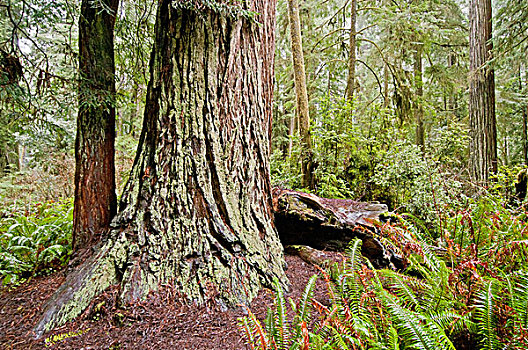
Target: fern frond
[
  {"x": 436, "y": 296},
  {"x": 401, "y": 285},
  {"x": 253, "y": 331},
  {"x": 416, "y": 330},
  {"x": 351, "y": 287},
  {"x": 450, "y": 321},
  {"x": 484, "y": 314},
  {"x": 269, "y": 323},
  {"x": 340, "y": 339},
  {"x": 304, "y": 308},
  {"x": 520, "y": 300},
  {"x": 282, "y": 331},
  {"x": 392, "y": 339},
  {"x": 243, "y": 324}
]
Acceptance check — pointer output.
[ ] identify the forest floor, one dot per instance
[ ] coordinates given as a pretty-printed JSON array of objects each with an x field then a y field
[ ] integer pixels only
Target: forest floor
[{"x": 161, "y": 322}]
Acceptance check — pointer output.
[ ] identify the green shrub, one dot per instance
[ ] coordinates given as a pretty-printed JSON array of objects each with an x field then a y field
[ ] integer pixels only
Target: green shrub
[
  {"x": 35, "y": 239},
  {"x": 417, "y": 185}
]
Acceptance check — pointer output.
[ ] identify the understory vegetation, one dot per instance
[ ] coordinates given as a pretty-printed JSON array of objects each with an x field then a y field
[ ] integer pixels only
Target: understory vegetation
[{"x": 467, "y": 288}]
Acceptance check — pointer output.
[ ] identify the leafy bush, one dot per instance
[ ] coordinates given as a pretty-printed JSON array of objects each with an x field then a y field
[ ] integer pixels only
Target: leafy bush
[
  {"x": 416, "y": 184},
  {"x": 346, "y": 147},
  {"x": 34, "y": 240}
]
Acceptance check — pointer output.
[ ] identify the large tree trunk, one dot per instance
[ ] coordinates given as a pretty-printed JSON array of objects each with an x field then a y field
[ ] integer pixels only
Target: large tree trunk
[
  {"x": 483, "y": 125},
  {"x": 301, "y": 92},
  {"x": 351, "y": 80},
  {"x": 196, "y": 211},
  {"x": 95, "y": 198}
]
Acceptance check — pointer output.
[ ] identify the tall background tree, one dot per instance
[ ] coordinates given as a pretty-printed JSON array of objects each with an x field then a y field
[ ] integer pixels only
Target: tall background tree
[
  {"x": 95, "y": 193},
  {"x": 482, "y": 119},
  {"x": 301, "y": 92}
]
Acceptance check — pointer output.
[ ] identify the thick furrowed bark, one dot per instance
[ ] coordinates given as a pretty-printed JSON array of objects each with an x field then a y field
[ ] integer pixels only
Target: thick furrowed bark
[
  {"x": 95, "y": 198},
  {"x": 196, "y": 211}
]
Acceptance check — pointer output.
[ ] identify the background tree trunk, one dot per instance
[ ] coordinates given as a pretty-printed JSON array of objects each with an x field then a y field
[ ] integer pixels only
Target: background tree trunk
[
  {"x": 301, "y": 93},
  {"x": 95, "y": 198},
  {"x": 386, "y": 100},
  {"x": 418, "y": 104},
  {"x": 483, "y": 125},
  {"x": 452, "y": 98},
  {"x": 196, "y": 211},
  {"x": 351, "y": 81},
  {"x": 525, "y": 135}
]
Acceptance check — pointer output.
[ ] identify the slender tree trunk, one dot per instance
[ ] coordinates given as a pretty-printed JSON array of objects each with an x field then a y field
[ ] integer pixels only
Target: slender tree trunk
[
  {"x": 21, "y": 157},
  {"x": 418, "y": 105},
  {"x": 351, "y": 81},
  {"x": 482, "y": 119},
  {"x": 386, "y": 100},
  {"x": 452, "y": 98},
  {"x": 506, "y": 151},
  {"x": 524, "y": 120},
  {"x": 196, "y": 211},
  {"x": 95, "y": 198},
  {"x": 301, "y": 93},
  {"x": 525, "y": 135},
  {"x": 291, "y": 133}
]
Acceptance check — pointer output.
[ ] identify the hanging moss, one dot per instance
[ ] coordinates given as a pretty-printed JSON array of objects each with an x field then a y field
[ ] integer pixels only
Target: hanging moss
[{"x": 231, "y": 8}]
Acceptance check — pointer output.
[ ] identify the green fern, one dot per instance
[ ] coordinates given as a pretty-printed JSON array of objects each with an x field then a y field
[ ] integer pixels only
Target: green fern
[
  {"x": 350, "y": 285},
  {"x": 520, "y": 300},
  {"x": 392, "y": 339},
  {"x": 281, "y": 332},
  {"x": 402, "y": 286},
  {"x": 485, "y": 315},
  {"x": 416, "y": 330},
  {"x": 304, "y": 309},
  {"x": 253, "y": 332}
]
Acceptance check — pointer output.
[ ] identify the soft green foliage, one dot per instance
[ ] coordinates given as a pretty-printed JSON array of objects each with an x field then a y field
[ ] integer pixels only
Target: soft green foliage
[
  {"x": 362, "y": 156},
  {"x": 34, "y": 240},
  {"x": 485, "y": 315}
]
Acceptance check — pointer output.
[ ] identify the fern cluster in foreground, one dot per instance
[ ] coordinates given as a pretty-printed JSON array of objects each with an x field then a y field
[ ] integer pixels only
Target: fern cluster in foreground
[{"x": 474, "y": 296}]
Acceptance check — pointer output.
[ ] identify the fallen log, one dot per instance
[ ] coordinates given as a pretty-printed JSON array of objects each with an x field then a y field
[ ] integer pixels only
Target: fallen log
[
  {"x": 309, "y": 255},
  {"x": 330, "y": 224}
]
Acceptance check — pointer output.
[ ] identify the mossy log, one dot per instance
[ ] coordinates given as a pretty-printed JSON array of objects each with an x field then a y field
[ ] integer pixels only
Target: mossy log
[{"x": 330, "y": 224}]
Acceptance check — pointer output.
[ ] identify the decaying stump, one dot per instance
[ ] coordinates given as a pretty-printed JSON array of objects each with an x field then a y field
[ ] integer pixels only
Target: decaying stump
[{"x": 306, "y": 219}]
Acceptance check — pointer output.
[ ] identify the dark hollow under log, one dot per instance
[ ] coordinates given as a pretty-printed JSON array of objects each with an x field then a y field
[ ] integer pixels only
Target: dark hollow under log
[{"x": 330, "y": 224}]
